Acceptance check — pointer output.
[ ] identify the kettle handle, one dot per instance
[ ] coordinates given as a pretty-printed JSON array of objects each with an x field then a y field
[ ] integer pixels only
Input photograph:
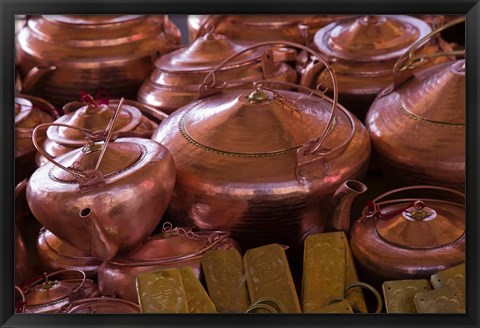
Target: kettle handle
[
  {"x": 311, "y": 150},
  {"x": 24, "y": 300},
  {"x": 373, "y": 208},
  {"x": 403, "y": 68}
]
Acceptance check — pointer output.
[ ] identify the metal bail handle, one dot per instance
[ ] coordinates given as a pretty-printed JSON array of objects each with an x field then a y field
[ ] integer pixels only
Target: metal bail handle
[
  {"x": 373, "y": 208},
  {"x": 46, "y": 276},
  {"x": 311, "y": 147},
  {"x": 402, "y": 70}
]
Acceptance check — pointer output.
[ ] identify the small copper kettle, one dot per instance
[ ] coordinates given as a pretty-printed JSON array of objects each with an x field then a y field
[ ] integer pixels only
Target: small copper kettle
[
  {"x": 55, "y": 254},
  {"x": 94, "y": 115},
  {"x": 363, "y": 50},
  {"x": 178, "y": 75},
  {"x": 29, "y": 112},
  {"x": 44, "y": 295},
  {"x": 417, "y": 125},
  {"x": 61, "y": 55},
  {"x": 173, "y": 248},
  {"x": 408, "y": 238},
  {"x": 106, "y": 196},
  {"x": 261, "y": 163}
]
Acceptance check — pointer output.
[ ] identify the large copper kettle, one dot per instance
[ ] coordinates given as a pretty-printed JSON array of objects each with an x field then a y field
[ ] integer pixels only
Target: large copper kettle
[
  {"x": 417, "y": 126},
  {"x": 173, "y": 248},
  {"x": 29, "y": 112},
  {"x": 178, "y": 75},
  {"x": 293, "y": 28},
  {"x": 261, "y": 163},
  {"x": 94, "y": 115},
  {"x": 72, "y": 53},
  {"x": 106, "y": 196},
  {"x": 409, "y": 238},
  {"x": 363, "y": 50}
]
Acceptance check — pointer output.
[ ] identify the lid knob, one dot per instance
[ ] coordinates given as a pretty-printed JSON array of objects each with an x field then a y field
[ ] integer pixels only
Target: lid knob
[
  {"x": 418, "y": 212},
  {"x": 258, "y": 96}
]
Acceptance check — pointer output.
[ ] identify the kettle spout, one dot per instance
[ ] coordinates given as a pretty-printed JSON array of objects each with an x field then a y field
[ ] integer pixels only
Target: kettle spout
[
  {"x": 33, "y": 76},
  {"x": 102, "y": 245},
  {"x": 339, "y": 214},
  {"x": 310, "y": 74}
]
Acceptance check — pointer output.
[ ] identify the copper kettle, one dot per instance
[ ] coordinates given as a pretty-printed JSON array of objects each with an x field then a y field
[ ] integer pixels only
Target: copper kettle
[
  {"x": 22, "y": 259},
  {"x": 293, "y": 28},
  {"x": 409, "y": 238},
  {"x": 29, "y": 112},
  {"x": 88, "y": 52},
  {"x": 103, "y": 305},
  {"x": 261, "y": 163},
  {"x": 178, "y": 75},
  {"x": 106, "y": 196},
  {"x": 93, "y": 114},
  {"x": 417, "y": 125},
  {"x": 363, "y": 50},
  {"x": 173, "y": 248}
]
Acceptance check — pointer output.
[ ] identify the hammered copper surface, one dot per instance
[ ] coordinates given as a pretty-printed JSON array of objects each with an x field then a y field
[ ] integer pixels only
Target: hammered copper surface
[
  {"x": 92, "y": 53},
  {"x": 403, "y": 241},
  {"x": 178, "y": 75},
  {"x": 168, "y": 249},
  {"x": 418, "y": 130}
]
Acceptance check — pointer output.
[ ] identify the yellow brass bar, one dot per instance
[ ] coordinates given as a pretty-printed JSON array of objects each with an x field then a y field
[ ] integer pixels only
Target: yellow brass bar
[
  {"x": 161, "y": 292},
  {"x": 342, "y": 306},
  {"x": 443, "y": 300},
  {"x": 452, "y": 277},
  {"x": 224, "y": 274},
  {"x": 398, "y": 294},
  {"x": 269, "y": 276},
  {"x": 197, "y": 298},
  {"x": 323, "y": 271}
]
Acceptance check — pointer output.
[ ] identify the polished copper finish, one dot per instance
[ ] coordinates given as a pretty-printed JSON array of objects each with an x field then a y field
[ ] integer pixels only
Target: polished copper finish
[
  {"x": 294, "y": 28},
  {"x": 173, "y": 248},
  {"x": 94, "y": 116},
  {"x": 261, "y": 163},
  {"x": 92, "y": 53},
  {"x": 100, "y": 305},
  {"x": 55, "y": 254},
  {"x": 47, "y": 296},
  {"x": 363, "y": 50},
  {"x": 29, "y": 112},
  {"x": 106, "y": 196},
  {"x": 409, "y": 238},
  {"x": 178, "y": 75}
]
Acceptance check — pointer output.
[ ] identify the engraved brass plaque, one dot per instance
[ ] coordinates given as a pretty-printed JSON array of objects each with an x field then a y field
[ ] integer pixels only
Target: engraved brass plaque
[
  {"x": 443, "y": 300},
  {"x": 161, "y": 292},
  {"x": 197, "y": 298},
  {"x": 269, "y": 276},
  {"x": 226, "y": 282},
  {"x": 398, "y": 294},
  {"x": 338, "y": 307},
  {"x": 323, "y": 271},
  {"x": 453, "y": 277}
]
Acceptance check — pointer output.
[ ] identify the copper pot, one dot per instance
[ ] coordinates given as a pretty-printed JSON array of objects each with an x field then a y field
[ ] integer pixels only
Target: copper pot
[
  {"x": 76, "y": 53},
  {"x": 106, "y": 196},
  {"x": 417, "y": 126},
  {"x": 103, "y": 305},
  {"x": 94, "y": 115},
  {"x": 29, "y": 112},
  {"x": 22, "y": 259},
  {"x": 294, "y": 28},
  {"x": 173, "y": 248},
  {"x": 261, "y": 163},
  {"x": 409, "y": 238},
  {"x": 56, "y": 254},
  {"x": 47, "y": 296},
  {"x": 178, "y": 75},
  {"x": 363, "y": 50}
]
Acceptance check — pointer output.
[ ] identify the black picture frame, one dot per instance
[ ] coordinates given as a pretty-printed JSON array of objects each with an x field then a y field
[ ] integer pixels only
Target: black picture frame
[{"x": 10, "y": 8}]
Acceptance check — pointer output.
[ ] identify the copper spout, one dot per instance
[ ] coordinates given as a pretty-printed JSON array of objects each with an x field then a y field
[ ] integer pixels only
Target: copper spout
[
  {"x": 339, "y": 217},
  {"x": 33, "y": 76},
  {"x": 102, "y": 245},
  {"x": 310, "y": 75}
]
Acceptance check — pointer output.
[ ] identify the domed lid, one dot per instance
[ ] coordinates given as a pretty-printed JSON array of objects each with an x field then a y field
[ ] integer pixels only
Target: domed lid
[
  {"x": 90, "y": 19},
  {"x": 205, "y": 53},
  {"x": 267, "y": 21},
  {"x": 63, "y": 248},
  {"x": 422, "y": 225},
  {"x": 437, "y": 94},
  {"x": 104, "y": 305},
  {"x": 259, "y": 122},
  {"x": 93, "y": 118},
  {"x": 370, "y": 38}
]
